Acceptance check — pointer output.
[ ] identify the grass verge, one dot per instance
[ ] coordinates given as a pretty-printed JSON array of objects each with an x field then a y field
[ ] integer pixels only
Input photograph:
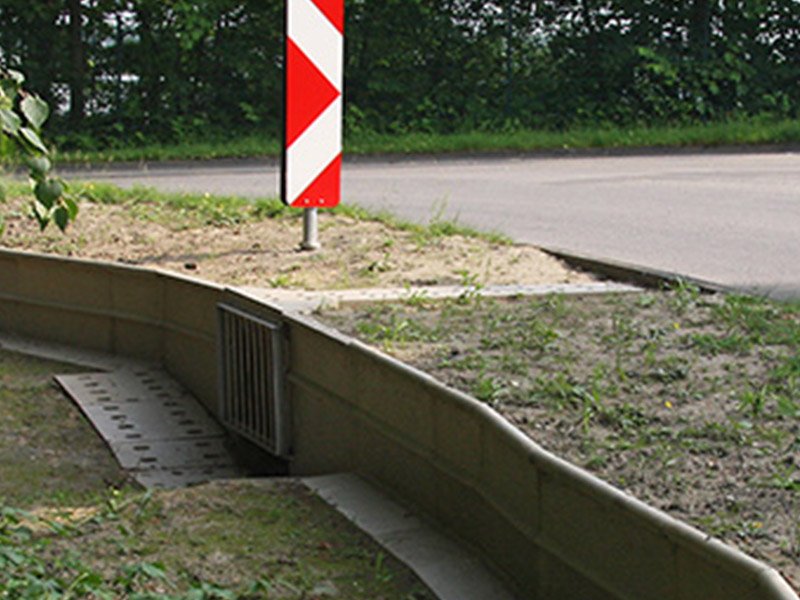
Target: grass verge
[
  {"x": 188, "y": 210},
  {"x": 687, "y": 401},
  {"x": 72, "y": 526},
  {"x": 731, "y": 133}
]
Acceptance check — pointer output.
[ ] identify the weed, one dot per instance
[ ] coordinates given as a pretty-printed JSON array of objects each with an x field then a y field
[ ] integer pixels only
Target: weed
[
  {"x": 645, "y": 300},
  {"x": 684, "y": 295},
  {"x": 556, "y": 306},
  {"x": 472, "y": 288},
  {"x": 280, "y": 281},
  {"x": 381, "y": 573},
  {"x": 623, "y": 334},
  {"x": 671, "y": 369},
  {"x": 397, "y": 330},
  {"x": 785, "y": 478},
  {"x": 714, "y": 345},
  {"x": 626, "y": 417},
  {"x": 416, "y": 298},
  {"x": 754, "y": 401},
  {"x": 489, "y": 389}
]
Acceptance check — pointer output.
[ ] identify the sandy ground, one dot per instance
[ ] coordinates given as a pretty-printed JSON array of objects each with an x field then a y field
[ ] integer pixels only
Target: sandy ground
[{"x": 355, "y": 254}]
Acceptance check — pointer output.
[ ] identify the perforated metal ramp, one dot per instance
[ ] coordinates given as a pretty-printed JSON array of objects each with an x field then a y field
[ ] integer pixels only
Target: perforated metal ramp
[{"x": 154, "y": 427}]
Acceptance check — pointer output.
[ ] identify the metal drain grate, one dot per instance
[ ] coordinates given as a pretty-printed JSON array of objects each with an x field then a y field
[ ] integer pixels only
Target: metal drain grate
[
  {"x": 154, "y": 427},
  {"x": 252, "y": 395}
]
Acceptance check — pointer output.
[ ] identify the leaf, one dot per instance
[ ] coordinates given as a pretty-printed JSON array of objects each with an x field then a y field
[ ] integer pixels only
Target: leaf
[
  {"x": 72, "y": 208},
  {"x": 61, "y": 217},
  {"x": 35, "y": 110},
  {"x": 41, "y": 214},
  {"x": 48, "y": 192},
  {"x": 8, "y": 91},
  {"x": 33, "y": 139},
  {"x": 10, "y": 121},
  {"x": 39, "y": 166},
  {"x": 16, "y": 77},
  {"x": 154, "y": 570}
]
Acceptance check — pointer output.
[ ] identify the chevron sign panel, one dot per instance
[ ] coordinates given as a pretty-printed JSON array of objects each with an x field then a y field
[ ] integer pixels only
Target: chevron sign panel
[{"x": 312, "y": 154}]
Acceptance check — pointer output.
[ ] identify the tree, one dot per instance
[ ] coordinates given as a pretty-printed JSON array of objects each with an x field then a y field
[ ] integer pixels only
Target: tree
[{"x": 22, "y": 115}]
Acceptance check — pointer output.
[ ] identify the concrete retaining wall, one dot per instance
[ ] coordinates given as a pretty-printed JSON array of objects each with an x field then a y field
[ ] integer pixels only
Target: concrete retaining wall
[{"x": 554, "y": 530}]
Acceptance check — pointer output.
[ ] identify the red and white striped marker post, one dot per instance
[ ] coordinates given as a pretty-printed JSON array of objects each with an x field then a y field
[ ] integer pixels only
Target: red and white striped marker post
[{"x": 314, "y": 68}]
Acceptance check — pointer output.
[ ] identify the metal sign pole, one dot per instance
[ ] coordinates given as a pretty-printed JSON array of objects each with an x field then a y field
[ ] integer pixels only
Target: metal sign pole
[
  {"x": 310, "y": 230},
  {"x": 312, "y": 129}
]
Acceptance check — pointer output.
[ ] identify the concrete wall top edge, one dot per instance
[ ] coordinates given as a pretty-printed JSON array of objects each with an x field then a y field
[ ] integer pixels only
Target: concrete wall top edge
[
  {"x": 237, "y": 295},
  {"x": 775, "y": 585},
  {"x": 105, "y": 264}
]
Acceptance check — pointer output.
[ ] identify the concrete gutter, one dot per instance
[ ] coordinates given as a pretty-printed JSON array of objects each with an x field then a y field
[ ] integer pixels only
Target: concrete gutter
[{"x": 656, "y": 278}]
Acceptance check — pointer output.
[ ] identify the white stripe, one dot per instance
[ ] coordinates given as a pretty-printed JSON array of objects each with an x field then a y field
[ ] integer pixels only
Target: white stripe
[
  {"x": 314, "y": 150},
  {"x": 317, "y": 37}
]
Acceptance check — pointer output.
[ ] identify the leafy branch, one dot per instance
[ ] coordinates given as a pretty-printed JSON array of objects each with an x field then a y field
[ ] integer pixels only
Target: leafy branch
[{"x": 22, "y": 115}]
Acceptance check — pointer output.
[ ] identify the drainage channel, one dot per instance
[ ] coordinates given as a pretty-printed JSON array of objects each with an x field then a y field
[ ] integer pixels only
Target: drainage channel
[{"x": 155, "y": 428}]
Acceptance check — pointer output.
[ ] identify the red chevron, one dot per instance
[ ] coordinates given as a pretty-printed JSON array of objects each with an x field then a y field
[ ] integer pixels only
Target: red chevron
[
  {"x": 325, "y": 191},
  {"x": 334, "y": 10},
  {"x": 308, "y": 93}
]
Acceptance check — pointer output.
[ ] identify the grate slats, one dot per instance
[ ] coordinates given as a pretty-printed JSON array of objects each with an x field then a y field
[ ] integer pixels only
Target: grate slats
[{"x": 252, "y": 379}]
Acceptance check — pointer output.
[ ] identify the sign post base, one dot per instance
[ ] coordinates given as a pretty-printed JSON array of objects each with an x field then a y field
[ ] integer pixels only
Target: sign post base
[{"x": 310, "y": 230}]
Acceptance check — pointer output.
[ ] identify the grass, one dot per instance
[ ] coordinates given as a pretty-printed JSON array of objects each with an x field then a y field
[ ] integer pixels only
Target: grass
[
  {"x": 688, "y": 401},
  {"x": 72, "y": 526},
  {"x": 737, "y": 132}
]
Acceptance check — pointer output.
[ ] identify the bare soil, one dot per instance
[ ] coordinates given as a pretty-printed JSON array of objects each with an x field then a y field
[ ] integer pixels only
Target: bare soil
[
  {"x": 242, "y": 250},
  {"x": 688, "y": 402}
]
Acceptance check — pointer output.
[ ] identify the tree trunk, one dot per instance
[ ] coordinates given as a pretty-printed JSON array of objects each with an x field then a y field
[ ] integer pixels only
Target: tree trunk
[
  {"x": 700, "y": 29},
  {"x": 77, "y": 83}
]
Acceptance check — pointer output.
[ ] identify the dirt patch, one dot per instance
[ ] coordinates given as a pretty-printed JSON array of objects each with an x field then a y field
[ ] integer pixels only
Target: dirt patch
[
  {"x": 241, "y": 248},
  {"x": 686, "y": 401}
]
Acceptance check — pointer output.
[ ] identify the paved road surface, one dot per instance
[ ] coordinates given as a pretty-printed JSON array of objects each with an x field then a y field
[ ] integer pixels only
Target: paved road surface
[{"x": 730, "y": 218}]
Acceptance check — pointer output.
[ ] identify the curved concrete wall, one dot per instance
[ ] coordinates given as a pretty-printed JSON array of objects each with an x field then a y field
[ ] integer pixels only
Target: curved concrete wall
[{"x": 554, "y": 530}]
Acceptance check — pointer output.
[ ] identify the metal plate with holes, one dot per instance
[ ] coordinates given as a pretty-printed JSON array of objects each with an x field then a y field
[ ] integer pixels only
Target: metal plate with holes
[
  {"x": 122, "y": 409},
  {"x": 154, "y": 427},
  {"x": 202, "y": 452}
]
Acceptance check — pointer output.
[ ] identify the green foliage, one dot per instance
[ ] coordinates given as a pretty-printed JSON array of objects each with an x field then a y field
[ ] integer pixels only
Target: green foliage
[
  {"x": 184, "y": 72},
  {"x": 22, "y": 115}
]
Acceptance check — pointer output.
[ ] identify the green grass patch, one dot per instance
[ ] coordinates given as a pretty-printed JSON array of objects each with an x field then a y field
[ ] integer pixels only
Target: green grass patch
[{"x": 753, "y": 132}]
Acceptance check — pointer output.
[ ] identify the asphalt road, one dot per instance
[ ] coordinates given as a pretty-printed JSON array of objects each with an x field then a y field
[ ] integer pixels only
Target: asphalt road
[{"x": 733, "y": 219}]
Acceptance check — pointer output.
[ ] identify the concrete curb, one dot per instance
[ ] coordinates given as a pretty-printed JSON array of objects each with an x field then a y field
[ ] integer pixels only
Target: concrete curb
[
  {"x": 637, "y": 274},
  {"x": 306, "y": 302},
  {"x": 451, "y": 571}
]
